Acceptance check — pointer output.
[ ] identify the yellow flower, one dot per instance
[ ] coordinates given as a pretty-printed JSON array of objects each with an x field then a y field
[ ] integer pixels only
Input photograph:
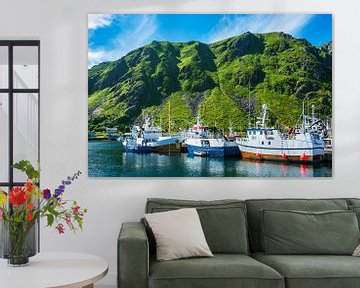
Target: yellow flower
[{"x": 3, "y": 198}]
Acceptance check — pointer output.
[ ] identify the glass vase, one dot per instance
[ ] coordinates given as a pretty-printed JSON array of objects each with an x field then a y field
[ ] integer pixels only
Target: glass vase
[{"x": 18, "y": 242}]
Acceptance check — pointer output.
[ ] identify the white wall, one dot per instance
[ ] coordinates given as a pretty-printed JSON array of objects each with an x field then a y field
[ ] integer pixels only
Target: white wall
[{"x": 61, "y": 25}]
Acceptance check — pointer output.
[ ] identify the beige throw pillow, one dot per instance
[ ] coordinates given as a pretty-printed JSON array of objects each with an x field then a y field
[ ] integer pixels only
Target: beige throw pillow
[
  {"x": 357, "y": 251},
  {"x": 178, "y": 234}
]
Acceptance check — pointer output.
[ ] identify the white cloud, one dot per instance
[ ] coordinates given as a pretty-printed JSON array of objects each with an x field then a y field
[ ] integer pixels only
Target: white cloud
[
  {"x": 137, "y": 34},
  {"x": 95, "y": 57},
  {"x": 134, "y": 33},
  {"x": 231, "y": 25},
  {"x": 96, "y": 21}
]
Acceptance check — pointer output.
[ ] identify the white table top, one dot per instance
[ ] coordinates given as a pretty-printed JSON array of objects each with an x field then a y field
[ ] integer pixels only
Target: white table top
[{"x": 45, "y": 270}]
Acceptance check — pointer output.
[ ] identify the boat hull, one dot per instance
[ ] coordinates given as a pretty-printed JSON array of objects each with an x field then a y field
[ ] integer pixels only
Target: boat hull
[
  {"x": 224, "y": 151},
  {"x": 134, "y": 146},
  {"x": 297, "y": 152},
  {"x": 138, "y": 149},
  {"x": 167, "y": 148},
  {"x": 167, "y": 144},
  {"x": 304, "y": 158}
]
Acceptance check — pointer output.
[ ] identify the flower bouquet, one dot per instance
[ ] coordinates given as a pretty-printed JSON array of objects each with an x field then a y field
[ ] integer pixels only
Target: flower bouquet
[{"x": 21, "y": 208}]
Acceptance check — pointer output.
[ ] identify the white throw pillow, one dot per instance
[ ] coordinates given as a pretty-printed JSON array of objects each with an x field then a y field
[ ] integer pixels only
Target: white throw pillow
[{"x": 178, "y": 234}]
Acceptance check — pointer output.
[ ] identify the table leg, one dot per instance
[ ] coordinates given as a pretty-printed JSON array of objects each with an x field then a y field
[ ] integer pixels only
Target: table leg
[{"x": 89, "y": 286}]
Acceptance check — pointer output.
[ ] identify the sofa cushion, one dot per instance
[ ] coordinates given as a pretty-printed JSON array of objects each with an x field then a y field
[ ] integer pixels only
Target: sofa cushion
[
  {"x": 223, "y": 221},
  {"x": 297, "y": 232},
  {"x": 255, "y": 206},
  {"x": 313, "y": 271},
  {"x": 222, "y": 270}
]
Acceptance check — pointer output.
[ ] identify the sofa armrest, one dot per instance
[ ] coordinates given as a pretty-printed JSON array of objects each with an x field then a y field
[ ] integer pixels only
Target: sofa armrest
[{"x": 133, "y": 256}]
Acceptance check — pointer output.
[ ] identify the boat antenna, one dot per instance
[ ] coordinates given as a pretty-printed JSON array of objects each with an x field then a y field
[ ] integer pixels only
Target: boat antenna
[
  {"x": 313, "y": 120},
  {"x": 198, "y": 120}
]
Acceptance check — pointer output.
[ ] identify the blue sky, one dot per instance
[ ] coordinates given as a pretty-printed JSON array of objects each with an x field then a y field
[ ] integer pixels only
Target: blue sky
[{"x": 112, "y": 36}]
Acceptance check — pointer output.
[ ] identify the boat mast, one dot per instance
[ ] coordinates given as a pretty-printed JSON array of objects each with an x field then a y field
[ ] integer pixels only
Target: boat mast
[
  {"x": 249, "y": 116},
  {"x": 169, "y": 119},
  {"x": 303, "y": 117},
  {"x": 313, "y": 120},
  {"x": 264, "y": 116}
]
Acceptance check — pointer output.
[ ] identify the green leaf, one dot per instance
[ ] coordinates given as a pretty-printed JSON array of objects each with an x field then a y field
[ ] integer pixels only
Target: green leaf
[
  {"x": 26, "y": 167},
  {"x": 50, "y": 219}
]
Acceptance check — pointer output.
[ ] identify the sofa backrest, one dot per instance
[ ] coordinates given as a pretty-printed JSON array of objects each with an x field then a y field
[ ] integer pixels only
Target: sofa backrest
[
  {"x": 353, "y": 202},
  {"x": 223, "y": 221},
  {"x": 256, "y": 205}
]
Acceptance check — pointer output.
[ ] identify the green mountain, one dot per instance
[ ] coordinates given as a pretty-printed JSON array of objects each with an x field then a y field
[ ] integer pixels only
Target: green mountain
[{"x": 224, "y": 82}]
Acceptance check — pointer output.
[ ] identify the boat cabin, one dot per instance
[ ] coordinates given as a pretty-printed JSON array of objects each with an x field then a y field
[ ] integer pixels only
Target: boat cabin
[
  {"x": 152, "y": 133},
  {"x": 265, "y": 133}
]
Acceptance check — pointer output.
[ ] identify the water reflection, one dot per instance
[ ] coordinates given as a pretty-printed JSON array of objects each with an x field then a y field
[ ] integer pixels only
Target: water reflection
[{"x": 107, "y": 160}]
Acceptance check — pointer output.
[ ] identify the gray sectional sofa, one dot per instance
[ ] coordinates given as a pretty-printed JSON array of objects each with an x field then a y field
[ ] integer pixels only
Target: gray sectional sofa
[{"x": 244, "y": 250}]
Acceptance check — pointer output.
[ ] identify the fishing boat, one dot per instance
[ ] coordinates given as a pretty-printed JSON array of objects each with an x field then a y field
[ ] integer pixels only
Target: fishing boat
[
  {"x": 112, "y": 133},
  {"x": 91, "y": 135},
  {"x": 200, "y": 142},
  {"x": 264, "y": 143},
  {"x": 134, "y": 142},
  {"x": 150, "y": 138},
  {"x": 158, "y": 142}
]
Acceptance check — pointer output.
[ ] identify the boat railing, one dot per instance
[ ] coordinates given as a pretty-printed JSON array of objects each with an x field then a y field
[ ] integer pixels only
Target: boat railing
[
  {"x": 240, "y": 139},
  {"x": 172, "y": 134}
]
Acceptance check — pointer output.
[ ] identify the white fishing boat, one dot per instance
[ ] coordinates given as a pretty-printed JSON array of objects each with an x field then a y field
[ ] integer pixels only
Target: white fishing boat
[
  {"x": 151, "y": 139},
  {"x": 134, "y": 142},
  {"x": 200, "y": 142},
  {"x": 264, "y": 143}
]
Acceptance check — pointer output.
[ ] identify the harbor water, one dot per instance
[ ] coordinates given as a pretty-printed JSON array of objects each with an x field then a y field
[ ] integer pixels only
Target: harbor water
[{"x": 106, "y": 159}]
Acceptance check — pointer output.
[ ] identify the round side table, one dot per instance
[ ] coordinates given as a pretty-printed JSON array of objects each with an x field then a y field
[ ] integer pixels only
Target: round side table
[{"x": 54, "y": 270}]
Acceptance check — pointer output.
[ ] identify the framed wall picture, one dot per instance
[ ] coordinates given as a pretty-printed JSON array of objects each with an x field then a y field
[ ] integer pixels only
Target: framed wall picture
[{"x": 210, "y": 95}]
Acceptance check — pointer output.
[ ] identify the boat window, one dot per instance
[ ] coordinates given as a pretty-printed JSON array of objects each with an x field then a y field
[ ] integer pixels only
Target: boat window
[
  {"x": 262, "y": 142},
  {"x": 269, "y": 142},
  {"x": 316, "y": 136},
  {"x": 205, "y": 143}
]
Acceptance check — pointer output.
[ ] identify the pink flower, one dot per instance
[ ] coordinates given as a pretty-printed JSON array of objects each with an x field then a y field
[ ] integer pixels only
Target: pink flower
[
  {"x": 1, "y": 214},
  {"x": 76, "y": 210},
  {"x": 68, "y": 219},
  {"x": 60, "y": 228}
]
